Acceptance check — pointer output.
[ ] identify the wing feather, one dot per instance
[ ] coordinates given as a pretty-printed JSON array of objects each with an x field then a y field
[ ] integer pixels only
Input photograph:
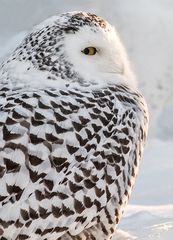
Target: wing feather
[{"x": 68, "y": 158}]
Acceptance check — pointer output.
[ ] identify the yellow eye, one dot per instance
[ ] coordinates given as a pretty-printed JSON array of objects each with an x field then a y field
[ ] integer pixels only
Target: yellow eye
[{"x": 89, "y": 51}]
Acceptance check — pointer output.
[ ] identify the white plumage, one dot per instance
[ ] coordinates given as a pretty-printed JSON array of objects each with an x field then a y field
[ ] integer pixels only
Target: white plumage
[{"x": 72, "y": 130}]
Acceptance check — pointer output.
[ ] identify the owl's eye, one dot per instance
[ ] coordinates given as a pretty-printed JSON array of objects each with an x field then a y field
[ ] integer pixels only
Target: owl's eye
[{"x": 89, "y": 51}]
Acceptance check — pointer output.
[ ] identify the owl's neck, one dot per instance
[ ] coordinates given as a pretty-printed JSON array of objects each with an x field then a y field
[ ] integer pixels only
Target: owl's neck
[{"x": 23, "y": 73}]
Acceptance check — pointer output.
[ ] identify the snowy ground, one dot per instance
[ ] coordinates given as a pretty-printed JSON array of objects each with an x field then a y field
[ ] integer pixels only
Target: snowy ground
[{"x": 145, "y": 27}]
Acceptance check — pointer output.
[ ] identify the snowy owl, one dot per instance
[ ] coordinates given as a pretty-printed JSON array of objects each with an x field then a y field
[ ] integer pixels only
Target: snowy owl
[{"x": 72, "y": 130}]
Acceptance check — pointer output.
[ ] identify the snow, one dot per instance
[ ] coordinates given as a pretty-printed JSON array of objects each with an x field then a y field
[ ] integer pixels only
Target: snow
[
  {"x": 147, "y": 222},
  {"x": 145, "y": 27}
]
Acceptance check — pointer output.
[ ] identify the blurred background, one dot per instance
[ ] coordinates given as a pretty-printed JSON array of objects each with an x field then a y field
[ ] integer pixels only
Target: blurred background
[{"x": 146, "y": 28}]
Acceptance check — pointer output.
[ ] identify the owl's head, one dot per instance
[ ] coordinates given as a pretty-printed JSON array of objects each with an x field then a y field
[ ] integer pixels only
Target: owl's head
[{"x": 75, "y": 46}]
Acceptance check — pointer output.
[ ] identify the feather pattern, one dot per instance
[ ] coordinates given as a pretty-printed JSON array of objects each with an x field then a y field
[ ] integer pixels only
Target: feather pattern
[{"x": 69, "y": 156}]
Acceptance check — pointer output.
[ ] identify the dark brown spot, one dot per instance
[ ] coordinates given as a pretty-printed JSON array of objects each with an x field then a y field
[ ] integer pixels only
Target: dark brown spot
[
  {"x": 98, "y": 205},
  {"x": 83, "y": 120},
  {"x": 99, "y": 192},
  {"x": 104, "y": 120},
  {"x": 96, "y": 110},
  {"x": 73, "y": 107},
  {"x": 89, "y": 184},
  {"x": 36, "y": 122},
  {"x": 1, "y": 233},
  {"x": 42, "y": 105},
  {"x": 59, "y": 117},
  {"x": 71, "y": 149},
  {"x": 81, "y": 141},
  {"x": 28, "y": 223},
  {"x": 7, "y": 135},
  {"x": 125, "y": 130},
  {"x": 108, "y": 194},
  {"x": 118, "y": 170},
  {"x": 24, "y": 214},
  {"x": 108, "y": 216},
  {"x": 99, "y": 165},
  {"x": 39, "y": 195},
  {"x": 65, "y": 111},
  {"x": 43, "y": 212},
  {"x": 34, "y": 176},
  {"x": 48, "y": 183},
  {"x": 74, "y": 188},
  {"x": 87, "y": 202},
  {"x": 96, "y": 127},
  {"x": 62, "y": 195},
  {"x": 10, "y": 121},
  {"x": 25, "y": 124},
  {"x": 39, "y": 116},
  {"x": 60, "y": 229},
  {"x": 81, "y": 219},
  {"x": 13, "y": 189},
  {"x": 78, "y": 178},
  {"x": 47, "y": 230},
  {"x": 67, "y": 211},
  {"x": 33, "y": 214},
  {"x": 108, "y": 116},
  {"x": 62, "y": 130},
  {"x": 27, "y": 106},
  {"x": 107, "y": 134},
  {"x": 23, "y": 236},
  {"x": 35, "y": 161},
  {"x": 35, "y": 139},
  {"x": 11, "y": 166},
  {"x": 38, "y": 231},
  {"x": 58, "y": 161},
  {"x": 125, "y": 149},
  {"x": 16, "y": 115},
  {"x": 78, "y": 206},
  {"x": 57, "y": 212},
  {"x": 77, "y": 126}
]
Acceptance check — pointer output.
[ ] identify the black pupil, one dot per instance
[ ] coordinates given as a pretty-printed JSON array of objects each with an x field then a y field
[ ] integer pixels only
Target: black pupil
[{"x": 86, "y": 51}]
